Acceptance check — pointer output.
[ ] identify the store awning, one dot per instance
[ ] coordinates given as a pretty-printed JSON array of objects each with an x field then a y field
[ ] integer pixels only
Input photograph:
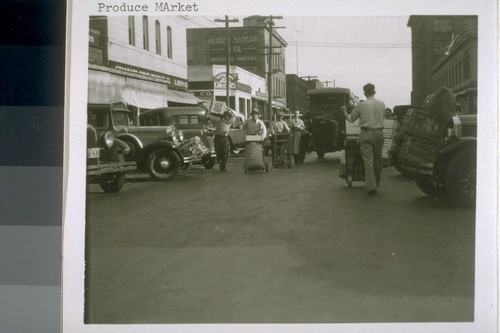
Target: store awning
[
  {"x": 182, "y": 97},
  {"x": 104, "y": 87}
]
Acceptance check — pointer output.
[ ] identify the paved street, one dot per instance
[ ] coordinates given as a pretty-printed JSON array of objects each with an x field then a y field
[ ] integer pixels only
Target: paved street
[{"x": 290, "y": 246}]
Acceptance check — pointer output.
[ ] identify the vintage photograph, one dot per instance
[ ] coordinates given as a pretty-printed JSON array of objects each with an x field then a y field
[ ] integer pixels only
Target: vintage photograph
[{"x": 280, "y": 169}]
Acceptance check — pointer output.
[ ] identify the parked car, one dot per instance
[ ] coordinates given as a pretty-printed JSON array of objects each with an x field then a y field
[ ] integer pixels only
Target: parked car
[
  {"x": 192, "y": 121},
  {"x": 106, "y": 163},
  {"x": 446, "y": 167},
  {"x": 161, "y": 151}
]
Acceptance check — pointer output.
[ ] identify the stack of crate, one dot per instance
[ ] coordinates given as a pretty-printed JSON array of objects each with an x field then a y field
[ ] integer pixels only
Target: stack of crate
[
  {"x": 217, "y": 107},
  {"x": 424, "y": 132}
]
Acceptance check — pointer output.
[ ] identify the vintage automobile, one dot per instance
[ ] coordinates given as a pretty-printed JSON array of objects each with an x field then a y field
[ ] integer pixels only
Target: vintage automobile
[
  {"x": 192, "y": 121},
  {"x": 106, "y": 163},
  {"x": 161, "y": 151},
  {"x": 326, "y": 121},
  {"x": 445, "y": 167}
]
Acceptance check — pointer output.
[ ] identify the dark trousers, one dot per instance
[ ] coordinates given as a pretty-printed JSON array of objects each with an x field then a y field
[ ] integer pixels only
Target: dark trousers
[{"x": 221, "y": 143}]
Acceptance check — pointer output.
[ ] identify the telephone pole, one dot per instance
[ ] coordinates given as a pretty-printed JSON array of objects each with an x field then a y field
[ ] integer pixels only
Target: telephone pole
[
  {"x": 226, "y": 21},
  {"x": 270, "y": 21}
]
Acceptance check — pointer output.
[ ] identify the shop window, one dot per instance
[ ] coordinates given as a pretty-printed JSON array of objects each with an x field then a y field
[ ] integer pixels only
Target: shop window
[
  {"x": 158, "y": 37},
  {"x": 169, "y": 42},
  {"x": 145, "y": 33},
  {"x": 131, "y": 30}
]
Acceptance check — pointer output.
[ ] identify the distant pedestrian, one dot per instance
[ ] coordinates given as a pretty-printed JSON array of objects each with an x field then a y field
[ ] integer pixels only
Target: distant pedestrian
[
  {"x": 298, "y": 123},
  {"x": 279, "y": 125},
  {"x": 371, "y": 138}
]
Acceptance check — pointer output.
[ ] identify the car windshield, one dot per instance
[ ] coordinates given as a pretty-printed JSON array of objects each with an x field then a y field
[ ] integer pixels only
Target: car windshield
[{"x": 120, "y": 118}]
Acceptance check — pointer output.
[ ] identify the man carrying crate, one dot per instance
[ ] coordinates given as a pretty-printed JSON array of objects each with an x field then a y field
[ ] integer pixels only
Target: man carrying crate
[
  {"x": 371, "y": 138},
  {"x": 222, "y": 117}
]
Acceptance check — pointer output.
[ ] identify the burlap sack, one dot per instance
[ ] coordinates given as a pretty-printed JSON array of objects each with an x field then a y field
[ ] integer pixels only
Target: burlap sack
[{"x": 442, "y": 104}]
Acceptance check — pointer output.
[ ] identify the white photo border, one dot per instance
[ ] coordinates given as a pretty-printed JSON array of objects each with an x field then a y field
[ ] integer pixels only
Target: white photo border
[{"x": 486, "y": 292}]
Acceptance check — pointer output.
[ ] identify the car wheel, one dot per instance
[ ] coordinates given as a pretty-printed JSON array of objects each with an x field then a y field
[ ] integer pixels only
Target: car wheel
[
  {"x": 183, "y": 170},
  {"x": 112, "y": 182},
  {"x": 461, "y": 177},
  {"x": 431, "y": 189},
  {"x": 208, "y": 162},
  {"x": 320, "y": 152},
  {"x": 163, "y": 164}
]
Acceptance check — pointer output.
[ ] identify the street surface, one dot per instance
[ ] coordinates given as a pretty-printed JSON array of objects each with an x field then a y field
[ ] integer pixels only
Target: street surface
[{"x": 290, "y": 246}]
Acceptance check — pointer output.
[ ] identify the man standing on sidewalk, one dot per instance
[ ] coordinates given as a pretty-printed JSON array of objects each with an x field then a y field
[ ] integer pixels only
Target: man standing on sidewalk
[{"x": 371, "y": 138}]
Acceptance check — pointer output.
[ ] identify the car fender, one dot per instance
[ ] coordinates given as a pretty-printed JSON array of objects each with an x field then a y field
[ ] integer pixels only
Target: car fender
[
  {"x": 141, "y": 160},
  {"x": 449, "y": 150},
  {"x": 133, "y": 138}
]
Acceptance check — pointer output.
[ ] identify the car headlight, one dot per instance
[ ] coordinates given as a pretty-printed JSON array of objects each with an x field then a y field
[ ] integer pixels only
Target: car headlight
[{"x": 108, "y": 139}]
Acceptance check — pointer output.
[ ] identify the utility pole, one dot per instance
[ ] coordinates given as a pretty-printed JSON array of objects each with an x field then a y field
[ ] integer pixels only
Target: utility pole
[
  {"x": 270, "y": 63},
  {"x": 326, "y": 82},
  {"x": 226, "y": 20}
]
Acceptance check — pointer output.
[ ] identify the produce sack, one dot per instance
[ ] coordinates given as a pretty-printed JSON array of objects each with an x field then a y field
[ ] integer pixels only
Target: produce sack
[{"x": 442, "y": 104}]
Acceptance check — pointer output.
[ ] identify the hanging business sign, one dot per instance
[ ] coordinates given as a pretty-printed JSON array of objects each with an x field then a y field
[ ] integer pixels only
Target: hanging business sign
[
  {"x": 243, "y": 44},
  {"x": 220, "y": 81},
  {"x": 171, "y": 81}
]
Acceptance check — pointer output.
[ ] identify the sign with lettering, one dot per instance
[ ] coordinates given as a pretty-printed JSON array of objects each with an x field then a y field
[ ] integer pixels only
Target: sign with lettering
[
  {"x": 220, "y": 81},
  {"x": 243, "y": 44},
  {"x": 170, "y": 80}
]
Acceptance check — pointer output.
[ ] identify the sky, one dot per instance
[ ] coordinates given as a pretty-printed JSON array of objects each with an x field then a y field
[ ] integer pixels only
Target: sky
[{"x": 349, "y": 52}]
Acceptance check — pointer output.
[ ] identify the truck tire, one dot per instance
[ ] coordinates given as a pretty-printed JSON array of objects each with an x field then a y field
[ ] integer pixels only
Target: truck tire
[
  {"x": 461, "y": 177},
  {"x": 163, "y": 164},
  {"x": 112, "y": 182},
  {"x": 428, "y": 187}
]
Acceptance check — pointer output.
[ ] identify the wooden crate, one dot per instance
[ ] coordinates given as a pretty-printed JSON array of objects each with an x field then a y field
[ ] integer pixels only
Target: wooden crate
[
  {"x": 424, "y": 125},
  {"x": 417, "y": 149}
]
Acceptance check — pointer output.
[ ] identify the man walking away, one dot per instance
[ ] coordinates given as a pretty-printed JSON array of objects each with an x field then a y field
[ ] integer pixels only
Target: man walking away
[{"x": 371, "y": 138}]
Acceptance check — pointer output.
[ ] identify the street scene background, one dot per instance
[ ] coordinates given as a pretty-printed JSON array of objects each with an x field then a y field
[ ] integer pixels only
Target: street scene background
[{"x": 294, "y": 245}]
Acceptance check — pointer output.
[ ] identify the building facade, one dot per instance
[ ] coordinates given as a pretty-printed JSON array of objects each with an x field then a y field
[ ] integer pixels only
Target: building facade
[
  {"x": 140, "y": 60},
  {"x": 444, "y": 53},
  {"x": 246, "y": 89},
  {"x": 251, "y": 48}
]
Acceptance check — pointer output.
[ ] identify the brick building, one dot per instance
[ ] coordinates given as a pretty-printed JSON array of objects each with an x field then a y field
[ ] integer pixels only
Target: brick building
[{"x": 444, "y": 53}]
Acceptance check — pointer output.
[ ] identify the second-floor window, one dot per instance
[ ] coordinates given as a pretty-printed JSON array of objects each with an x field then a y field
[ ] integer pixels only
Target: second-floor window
[
  {"x": 158, "y": 37},
  {"x": 169, "y": 42},
  {"x": 145, "y": 33},
  {"x": 131, "y": 30}
]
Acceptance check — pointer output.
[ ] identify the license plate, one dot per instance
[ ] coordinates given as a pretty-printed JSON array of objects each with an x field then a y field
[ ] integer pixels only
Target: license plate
[{"x": 93, "y": 152}]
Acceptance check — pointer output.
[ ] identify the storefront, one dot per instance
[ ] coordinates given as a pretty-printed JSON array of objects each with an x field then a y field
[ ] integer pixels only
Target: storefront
[{"x": 107, "y": 85}]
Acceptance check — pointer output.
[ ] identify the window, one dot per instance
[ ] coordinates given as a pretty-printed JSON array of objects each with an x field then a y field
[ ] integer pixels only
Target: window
[
  {"x": 157, "y": 37},
  {"x": 169, "y": 42},
  {"x": 145, "y": 33},
  {"x": 131, "y": 30},
  {"x": 466, "y": 65}
]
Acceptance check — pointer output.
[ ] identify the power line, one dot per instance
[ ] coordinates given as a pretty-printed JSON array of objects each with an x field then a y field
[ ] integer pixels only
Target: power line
[{"x": 344, "y": 45}]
